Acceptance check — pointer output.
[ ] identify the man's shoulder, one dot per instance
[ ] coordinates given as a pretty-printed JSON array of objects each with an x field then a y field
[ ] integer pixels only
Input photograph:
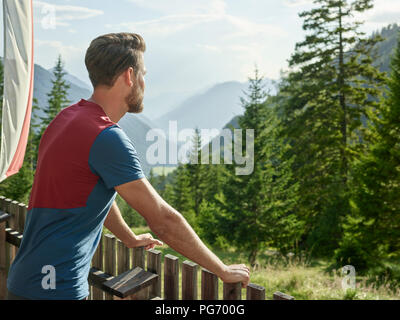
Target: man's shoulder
[
  {"x": 113, "y": 136},
  {"x": 83, "y": 118}
]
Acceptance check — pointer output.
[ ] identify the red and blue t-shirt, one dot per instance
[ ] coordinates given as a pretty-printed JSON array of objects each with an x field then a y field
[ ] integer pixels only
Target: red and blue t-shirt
[{"x": 83, "y": 155}]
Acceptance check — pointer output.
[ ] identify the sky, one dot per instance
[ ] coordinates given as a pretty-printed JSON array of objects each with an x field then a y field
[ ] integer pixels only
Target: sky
[{"x": 191, "y": 44}]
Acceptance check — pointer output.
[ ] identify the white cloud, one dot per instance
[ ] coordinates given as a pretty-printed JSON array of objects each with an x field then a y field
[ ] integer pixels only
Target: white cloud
[
  {"x": 170, "y": 7},
  {"x": 47, "y": 52},
  {"x": 209, "y": 48},
  {"x": 297, "y": 3},
  {"x": 170, "y": 24},
  {"x": 204, "y": 29},
  {"x": 59, "y": 47},
  {"x": 165, "y": 25}
]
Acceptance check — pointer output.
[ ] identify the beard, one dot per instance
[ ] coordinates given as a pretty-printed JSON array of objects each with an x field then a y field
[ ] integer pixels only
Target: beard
[{"x": 135, "y": 100}]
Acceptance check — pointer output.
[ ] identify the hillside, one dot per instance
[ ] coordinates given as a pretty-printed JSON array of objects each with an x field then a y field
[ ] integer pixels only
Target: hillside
[
  {"x": 385, "y": 48},
  {"x": 384, "y": 51}
]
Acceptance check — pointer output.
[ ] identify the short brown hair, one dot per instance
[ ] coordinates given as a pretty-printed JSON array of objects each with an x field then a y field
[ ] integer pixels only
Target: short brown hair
[{"x": 111, "y": 54}]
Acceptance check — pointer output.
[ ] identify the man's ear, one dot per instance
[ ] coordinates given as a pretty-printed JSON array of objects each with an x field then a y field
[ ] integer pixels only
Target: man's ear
[{"x": 129, "y": 76}]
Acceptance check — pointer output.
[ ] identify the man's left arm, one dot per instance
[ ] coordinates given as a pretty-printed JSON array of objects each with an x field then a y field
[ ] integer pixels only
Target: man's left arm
[{"x": 117, "y": 225}]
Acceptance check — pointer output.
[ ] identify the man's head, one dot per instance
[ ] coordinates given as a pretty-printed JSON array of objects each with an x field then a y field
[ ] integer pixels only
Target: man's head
[{"x": 117, "y": 59}]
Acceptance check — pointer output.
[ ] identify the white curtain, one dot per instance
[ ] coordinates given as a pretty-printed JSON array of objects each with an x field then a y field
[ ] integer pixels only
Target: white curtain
[{"x": 18, "y": 84}]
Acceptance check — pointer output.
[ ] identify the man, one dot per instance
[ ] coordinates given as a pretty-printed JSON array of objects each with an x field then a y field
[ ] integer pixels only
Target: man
[{"x": 84, "y": 160}]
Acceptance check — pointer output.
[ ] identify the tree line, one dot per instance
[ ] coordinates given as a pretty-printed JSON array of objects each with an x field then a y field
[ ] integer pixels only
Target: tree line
[{"x": 327, "y": 155}]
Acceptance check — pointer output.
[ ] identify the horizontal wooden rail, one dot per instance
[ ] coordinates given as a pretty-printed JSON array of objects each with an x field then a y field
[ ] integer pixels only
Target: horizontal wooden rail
[
  {"x": 129, "y": 282},
  {"x": 282, "y": 296},
  {"x": 98, "y": 277},
  {"x": 13, "y": 237},
  {"x": 4, "y": 216}
]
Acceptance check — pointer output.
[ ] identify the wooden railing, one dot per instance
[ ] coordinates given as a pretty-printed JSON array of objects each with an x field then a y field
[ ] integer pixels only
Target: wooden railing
[{"x": 119, "y": 272}]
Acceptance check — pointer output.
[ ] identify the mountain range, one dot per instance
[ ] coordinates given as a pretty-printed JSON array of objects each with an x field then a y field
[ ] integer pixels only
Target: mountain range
[{"x": 208, "y": 109}]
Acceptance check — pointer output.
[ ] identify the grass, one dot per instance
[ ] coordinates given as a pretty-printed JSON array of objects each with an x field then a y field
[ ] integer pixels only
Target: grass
[{"x": 296, "y": 276}]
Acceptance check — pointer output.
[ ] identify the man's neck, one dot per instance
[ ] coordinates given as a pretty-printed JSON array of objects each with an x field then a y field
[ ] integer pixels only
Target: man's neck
[{"x": 112, "y": 105}]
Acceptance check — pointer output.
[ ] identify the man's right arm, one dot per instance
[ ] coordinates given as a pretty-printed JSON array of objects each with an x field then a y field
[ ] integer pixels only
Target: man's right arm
[{"x": 172, "y": 228}]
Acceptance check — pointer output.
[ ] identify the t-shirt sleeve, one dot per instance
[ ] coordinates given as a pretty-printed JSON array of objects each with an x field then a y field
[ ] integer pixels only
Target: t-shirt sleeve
[{"x": 113, "y": 157}]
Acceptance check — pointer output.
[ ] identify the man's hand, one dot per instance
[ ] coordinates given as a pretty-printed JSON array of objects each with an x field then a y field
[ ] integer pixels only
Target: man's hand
[
  {"x": 173, "y": 229},
  {"x": 145, "y": 240},
  {"x": 236, "y": 273}
]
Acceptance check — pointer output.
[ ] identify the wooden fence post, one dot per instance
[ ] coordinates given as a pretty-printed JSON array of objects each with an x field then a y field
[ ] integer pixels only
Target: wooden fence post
[
  {"x": 123, "y": 262},
  {"x": 154, "y": 266},
  {"x": 138, "y": 258},
  {"x": 255, "y": 292},
  {"x": 3, "y": 262},
  {"x": 109, "y": 260},
  {"x": 171, "y": 277},
  {"x": 209, "y": 285},
  {"x": 189, "y": 280},
  {"x": 97, "y": 262},
  {"x": 123, "y": 256},
  {"x": 232, "y": 291},
  {"x": 14, "y": 225},
  {"x": 22, "y": 209},
  {"x": 9, "y": 247}
]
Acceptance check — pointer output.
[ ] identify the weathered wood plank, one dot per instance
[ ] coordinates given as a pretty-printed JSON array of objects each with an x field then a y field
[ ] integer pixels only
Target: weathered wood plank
[
  {"x": 97, "y": 277},
  {"x": 281, "y": 296},
  {"x": 209, "y": 285},
  {"x": 22, "y": 210},
  {"x": 3, "y": 262},
  {"x": 189, "y": 280},
  {"x": 255, "y": 292},
  {"x": 2, "y": 198},
  {"x": 154, "y": 266},
  {"x": 4, "y": 217},
  {"x": 171, "y": 277},
  {"x": 12, "y": 223},
  {"x": 97, "y": 262},
  {"x": 129, "y": 282},
  {"x": 13, "y": 237},
  {"x": 6, "y": 208},
  {"x": 109, "y": 259},
  {"x": 123, "y": 262},
  {"x": 232, "y": 291},
  {"x": 138, "y": 257}
]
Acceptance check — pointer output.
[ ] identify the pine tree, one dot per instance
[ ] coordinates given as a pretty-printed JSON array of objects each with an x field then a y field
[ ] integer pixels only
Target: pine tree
[
  {"x": 281, "y": 220},
  {"x": 373, "y": 231},
  {"x": 57, "y": 97},
  {"x": 195, "y": 172},
  {"x": 243, "y": 198},
  {"x": 327, "y": 99},
  {"x": 180, "y": 196}
]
